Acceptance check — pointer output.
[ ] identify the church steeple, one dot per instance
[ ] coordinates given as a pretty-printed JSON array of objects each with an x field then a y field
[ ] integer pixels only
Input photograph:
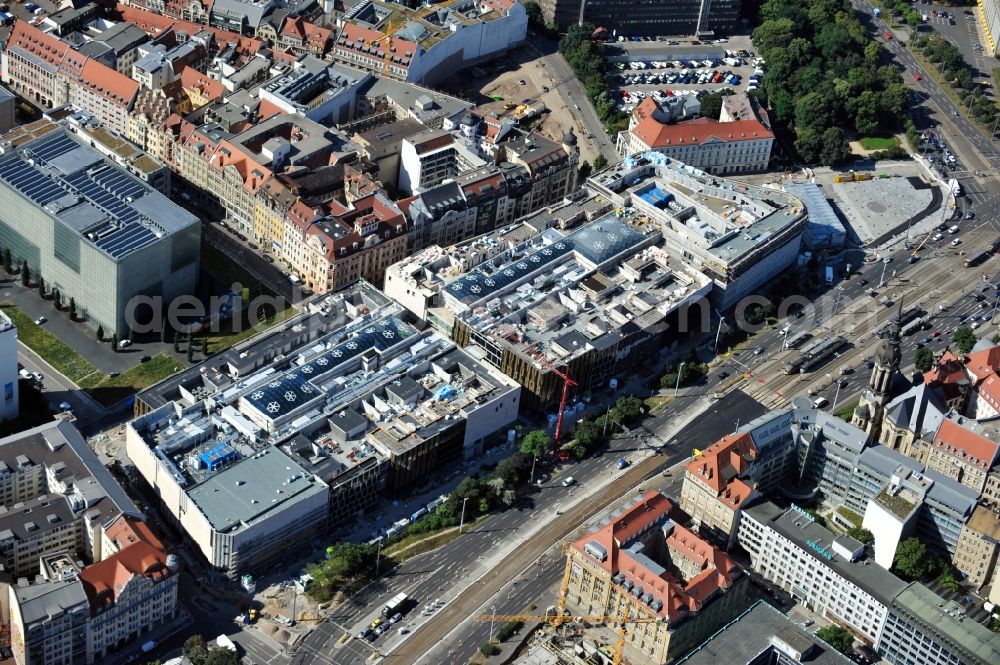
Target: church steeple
[{"x": 871, "y": 408}]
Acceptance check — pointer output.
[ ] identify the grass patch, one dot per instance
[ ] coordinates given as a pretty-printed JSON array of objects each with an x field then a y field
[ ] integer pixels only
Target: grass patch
[
  {"x": 55, "y": 352},
  {"x": 847, "y": 411},
  {"x": 221, "y": 342},
  {"x": 879, "y": 142},
  {"x": 220, "y": 266},
  {"x": 421, "y": 543},
  {"x": 110, "y": 390},
  {"x": 657, "y": 402},
  {"x": 103, "y": 388}
]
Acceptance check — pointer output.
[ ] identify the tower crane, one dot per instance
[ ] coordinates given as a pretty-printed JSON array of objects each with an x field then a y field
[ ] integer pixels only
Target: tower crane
[{"x": 509, "y": 334}]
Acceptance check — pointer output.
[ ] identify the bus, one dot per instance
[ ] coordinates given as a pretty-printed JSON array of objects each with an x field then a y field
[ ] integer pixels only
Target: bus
[
  {"x": 395, "y": 605},
  {"x": 906, "y": 317},
  {"x": 976, "y": 259},
  {"x": 798, "y": 339}
]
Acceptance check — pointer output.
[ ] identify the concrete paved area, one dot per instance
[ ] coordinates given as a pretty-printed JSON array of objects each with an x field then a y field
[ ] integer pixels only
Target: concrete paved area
[{"x": 876, "y": 207}]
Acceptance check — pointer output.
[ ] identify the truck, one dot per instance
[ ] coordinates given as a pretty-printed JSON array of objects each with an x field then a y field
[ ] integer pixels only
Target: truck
[
  {"x": 394, "y": 605},
  {"x": 955, "y": 186},
  {"x": 876, "y": 12},
  {"x": 223, "y": 642}
]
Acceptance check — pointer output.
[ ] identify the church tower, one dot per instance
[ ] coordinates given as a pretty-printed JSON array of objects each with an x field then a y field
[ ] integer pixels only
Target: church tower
[{"x": 868, "y": 415}]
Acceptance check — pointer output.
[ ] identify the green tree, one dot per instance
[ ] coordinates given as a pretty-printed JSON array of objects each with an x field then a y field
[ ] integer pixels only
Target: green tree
[
  {"x": 911, "y": 562},
  {"x": 72, "y": 307},
  {"x": 862, "y": 535},
  {"x": 584, "y": 171},
  {"x": 25, "y": 274},
  {"x": 489, "y": 649},
  {"x": 131, "y": 335},
  {"x": 773, "y": 34},
  {"x": 57, "y": 298},
  {"x": 924, "y": 359},
  {"x": 834, "y": 146},
  {"x": 41, "y": 286},
  {"x": 534, "y": 12},
  {"x": 100, "y": 333},
  {"x": 629, "y": 407},
  {"x": 588, "y": 435},
  {"x": 221, "y": 657},
  {"x": 8, "y": 261},
  {"x": 964, "y": 338},
  {"x": 537, "y": 443},
  {"x": 838, "y": 637},
  {"x": 866, "y": 113},
  {"x": 711, "y": 104},
  {"x": 190, "y": 352},
  {"x": 195, "y": 649},
  {"x": 600, "y": 162},
  {"x": 204, "y": 346},
  {"x": 114, "y": 342}
]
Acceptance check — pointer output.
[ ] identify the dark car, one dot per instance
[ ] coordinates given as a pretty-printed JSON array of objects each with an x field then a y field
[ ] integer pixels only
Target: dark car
[
  {"x": 269, "y": 258},
  {"x": 145, "y": 359}
]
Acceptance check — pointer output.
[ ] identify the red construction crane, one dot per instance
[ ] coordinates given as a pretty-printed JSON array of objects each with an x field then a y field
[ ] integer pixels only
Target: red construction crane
[{"x": 510, "y": 334}]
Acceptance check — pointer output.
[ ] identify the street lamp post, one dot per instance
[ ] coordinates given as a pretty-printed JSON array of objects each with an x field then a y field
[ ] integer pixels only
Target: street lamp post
[
  {"x": 461, "y": 522},
  {"x": 607, "y": 417},
  {"x": 378, "y": 556},
  {"x": 718, "y": 332},
  {"x": 994, "y": 130},
  {"x": 881, "y": 280},
  {"x": 493, "y": 609},
  {"x": 534, "y": 458},
  {"x": 836, "y": 395},
  {"x": 680, "y": 370}
]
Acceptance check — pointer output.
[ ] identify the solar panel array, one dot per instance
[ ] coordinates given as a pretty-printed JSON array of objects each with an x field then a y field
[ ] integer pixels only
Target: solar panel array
[{"x": 105, "y": 186}]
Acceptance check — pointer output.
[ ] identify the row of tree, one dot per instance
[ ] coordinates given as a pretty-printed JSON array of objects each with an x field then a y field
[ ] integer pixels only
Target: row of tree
[
  {"x": 586, "y": 59},
  {"x": 824, "y": 76},
  {"x": 959, "y": 75}
]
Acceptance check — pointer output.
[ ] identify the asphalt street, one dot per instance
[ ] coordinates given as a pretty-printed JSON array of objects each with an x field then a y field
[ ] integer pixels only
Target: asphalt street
[{"x": 572, "y": 93}]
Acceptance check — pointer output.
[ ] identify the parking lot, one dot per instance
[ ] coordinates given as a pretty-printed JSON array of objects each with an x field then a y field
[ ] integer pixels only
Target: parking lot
[
  {"x": 961, "y": 27},
  {"x": 736, "y": 70}
]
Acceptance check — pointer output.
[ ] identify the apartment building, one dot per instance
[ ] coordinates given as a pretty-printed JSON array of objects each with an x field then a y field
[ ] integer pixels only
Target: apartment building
[
  {"x": 426, "y": 159},
  {"x": 960, "y": 454},
  {"x": 330, "y": 246},
  {"x": 978, "y": 548},
  {"x": 642, "y": 560},
  {"x": 829, "y": 573}
]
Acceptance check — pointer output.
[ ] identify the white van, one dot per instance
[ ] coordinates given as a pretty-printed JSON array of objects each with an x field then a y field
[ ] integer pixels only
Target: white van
[
  {"x": 821, "y": 402},
  {"x": 954, "y": 229}
]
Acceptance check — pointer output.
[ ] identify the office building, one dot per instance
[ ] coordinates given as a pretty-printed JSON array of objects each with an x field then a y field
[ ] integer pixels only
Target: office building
[
  {"x": 687, "y": 18},
  {"x": 98, "y": 234},
  {"x": 739, "y": 235},
  {"x": 426, "y": 159},
  {"x": 720, "y": 148},
  {"x": 642, "y": 560},
  {"x": 323, "y": 92},
  {"x": 8, "y": 368},
  {"x": 988, "y": 15},
  {"x": 267, "y": 445},
  {"x": 826, "y": 572},
  {"x": 763, "y": 635},
  {"x": 923, "y": 628}
]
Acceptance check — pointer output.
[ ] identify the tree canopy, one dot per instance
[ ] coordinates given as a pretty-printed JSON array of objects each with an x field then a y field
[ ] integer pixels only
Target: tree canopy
[
  {"x": 964, "y": 338},
  {"x": 838, "y": 637},
  {"x": 924, "y": 359},
  {"x": 912, "y": 561},
  {"x": 536, "y": 443},
  {"x": 823, "y": 77}
]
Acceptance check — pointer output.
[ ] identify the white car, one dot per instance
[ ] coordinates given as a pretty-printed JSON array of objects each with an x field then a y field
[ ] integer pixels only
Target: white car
[
  {"x": 40, "y": 320},
  {"x": 956, "y": 242},
  {"x": 568, "y": 481},
  {"x": 938, "y": 236}
]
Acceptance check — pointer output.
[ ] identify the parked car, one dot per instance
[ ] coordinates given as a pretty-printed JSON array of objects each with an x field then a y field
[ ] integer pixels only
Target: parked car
[
  {"x": 40, "y": 320},
  {"x": 568, "y": 481}
]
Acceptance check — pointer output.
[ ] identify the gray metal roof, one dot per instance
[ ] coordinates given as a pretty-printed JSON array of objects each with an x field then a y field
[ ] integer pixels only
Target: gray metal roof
[
  {"x": 756, "y": 636},
  {"x": 597, "y": 242},
  {"x": 40, "y": 602},
  {"x": 972, "y": 642},
  {"x": 267, "y": 481}
]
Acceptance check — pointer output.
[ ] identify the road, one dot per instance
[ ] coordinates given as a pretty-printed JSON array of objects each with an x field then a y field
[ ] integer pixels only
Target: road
[{"x": 572, "y": 93}]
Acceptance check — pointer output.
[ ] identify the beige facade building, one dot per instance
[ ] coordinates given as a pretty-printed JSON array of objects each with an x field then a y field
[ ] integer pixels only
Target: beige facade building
[
  {"x": 645, "y": 563},
  {"x": 978, "y": 547}
]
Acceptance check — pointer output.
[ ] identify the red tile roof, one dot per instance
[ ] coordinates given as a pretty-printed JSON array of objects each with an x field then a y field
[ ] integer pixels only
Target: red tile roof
[
  {"x": 141, "y": 554},
  {"x": 965, "y": 445},
  {"x": 38, "y": 43},
  {"x": 356, "y": 38},
  {"x": 114, "y": 86},
  {"x": 718, "y": 571},
  {"x": 192, "y": 79},
  {"x": 723, "y": 461},
  {"x": 695, "y": 132},
  {"x": 983, "y": 363}
]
